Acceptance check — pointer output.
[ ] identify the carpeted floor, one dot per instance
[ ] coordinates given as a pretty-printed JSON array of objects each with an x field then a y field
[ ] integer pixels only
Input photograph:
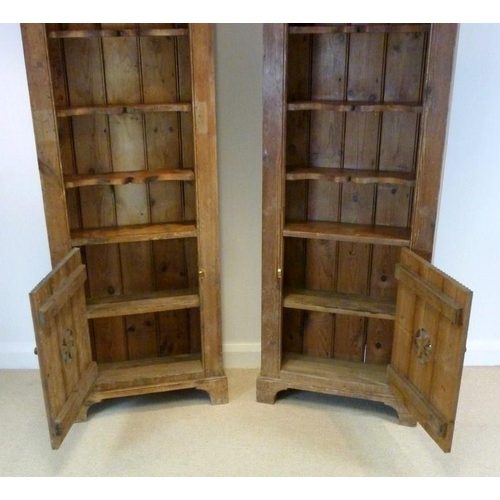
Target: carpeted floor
[{"x": 179, "y": 434}]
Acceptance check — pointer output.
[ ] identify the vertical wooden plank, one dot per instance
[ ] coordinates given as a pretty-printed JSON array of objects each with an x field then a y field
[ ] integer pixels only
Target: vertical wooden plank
[
  {"x": 297, "y": 154},
  {"x": 449, "y": 355},
  {"x": 61, "y": 98},
  {"x": 365, "y": 79},
  {"x": 124, "y": 85},
  {"x": 91, "y": 145},
  {"x": 202, "y": 60},
  {"x": 427, "y": 318},
  {"x": 186, "y": 138},
  {"x": 428, "y": 373},
  {"x": 159, "y": 77},
  {"x": 403, "y": 79},
  {"x": 274, "y": 115},
  {"x": 46, "y": 134},
  {"x": 405, "y": 317},
  {"x": 328, "y": 83},
  {"x": 440, "y": 63}
]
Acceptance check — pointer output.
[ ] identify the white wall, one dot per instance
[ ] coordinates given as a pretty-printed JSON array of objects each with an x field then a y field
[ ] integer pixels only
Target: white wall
[
  {"x": 468, "y": 237},
  {"x": 467, "y": 245}
]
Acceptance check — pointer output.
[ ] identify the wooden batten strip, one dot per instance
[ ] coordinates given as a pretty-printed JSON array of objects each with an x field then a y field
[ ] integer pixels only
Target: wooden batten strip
[
  {"x": 348, "y": 106},
  {"x": 355, "y": 233},
  {"x": 142, "y": 303},
  {"x": 428, "y": 416},
  {"x": 120, "y": 109},
  {"x": 62, "y": 294},
  {"x": 118, "y": 33},
  {"x": 351, "y": 175},
  {"x": 363, "y": 28},
  {"x": 437, "y": 299},
  {"x": 340, "y": 303},
  {"x": 133, "y": 233},
  {"x": 134, "y": 177},
  {"x": 69, "y": 412}
]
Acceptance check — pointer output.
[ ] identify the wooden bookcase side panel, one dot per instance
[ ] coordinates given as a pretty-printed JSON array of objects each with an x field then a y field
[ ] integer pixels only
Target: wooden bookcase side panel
[
  {"x": 274, "y": 109},
  {"x": 205, "y": 157},
  {"x": 436, "y": 93},
  {"x": 47, "y": 141}
]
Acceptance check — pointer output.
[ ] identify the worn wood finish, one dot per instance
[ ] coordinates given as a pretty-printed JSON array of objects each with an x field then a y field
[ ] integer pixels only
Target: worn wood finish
[
  {"x": 205, "y": 157},
  {"x": 340, "y": 303},
  {"x": 128, "y": 135},
  {"x": 273, "y": 194},
  {"x": 437, "y": 85},
  {"x": 358, "y": 118},
  {"x": 356, "y": 233},
  {"x": 133, "y": 233},
  {"x": 360, "y": 28},
  {"x": 134, "y": 177},
  {"x": 346, "y": 175},
  {"x": 100, "y": 33},
  {"x": 169, "y": 300},
  {"x": 63, "y": 344},
  {"x": 426, "y": 371},
  {"x": 47, "y": 143}
]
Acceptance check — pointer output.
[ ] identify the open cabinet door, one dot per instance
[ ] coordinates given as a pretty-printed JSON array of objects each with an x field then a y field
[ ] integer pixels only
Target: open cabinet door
[
  {"x": 432, "y": 317},
  {"x": 63, "y": 344}
]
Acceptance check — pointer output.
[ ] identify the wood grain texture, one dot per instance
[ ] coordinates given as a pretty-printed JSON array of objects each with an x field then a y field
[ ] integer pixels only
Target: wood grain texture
[
  {"x": 46, "y": 137},
  {"x": 356, "y": 130},
  {"x": 63, "y": 344},
  {"x": 356, "y": 233},
  {"x": 437, "y": 86},
  {"x": 340, "y": 303},
  {"x": 132, "y": 177},
  {"x": 141, "y": 200},
  {"x": 205, "y": 154},
  {"x": 274, "y": 97},
  {"x": 427, "y": 377}
]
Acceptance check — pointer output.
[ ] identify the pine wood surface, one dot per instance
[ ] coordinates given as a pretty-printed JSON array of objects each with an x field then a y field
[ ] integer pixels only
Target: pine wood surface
[
  {"x": 430, "y": 383},
  {"x": 131, "y": 179},
  {"x": 346, "y": 114},
  {"x": 63, "y": 344}
]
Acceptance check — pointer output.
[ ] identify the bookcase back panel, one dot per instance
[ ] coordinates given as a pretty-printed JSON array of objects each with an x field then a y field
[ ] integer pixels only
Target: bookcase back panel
[
  {"x": 123, "y": 104},
  {"x": 326, "y": 71}
]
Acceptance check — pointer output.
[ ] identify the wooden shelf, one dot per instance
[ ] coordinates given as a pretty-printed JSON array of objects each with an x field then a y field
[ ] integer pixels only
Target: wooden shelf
[
  {"x": 359, "y": 28},
  {"x": 351, "y": 175},
  {"x": 118, "y": 33},
  {"x": 359, "y": 106},
  {"x": 120, "y": 109},
  {"x": 340, "y": 303},
  {"x": 340, "y": 231},
  {"x": 133, "y": 177},
  {"x": 133, "y": 233},
  {"x": 123, "y": 305},
  {"x": 334, "y": 376},
  {"x": 127, "y": 378}
]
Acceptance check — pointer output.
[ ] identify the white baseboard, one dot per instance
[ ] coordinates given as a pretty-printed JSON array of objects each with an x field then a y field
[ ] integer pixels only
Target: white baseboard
[
  {"x": 482, "y": 353},
  {"x": 241, "y": 355},
  {"x": 19, "y": 355}
]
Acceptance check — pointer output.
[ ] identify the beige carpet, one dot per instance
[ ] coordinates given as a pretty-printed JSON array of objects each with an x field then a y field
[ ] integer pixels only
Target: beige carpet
[{"x": 303, "y": 434}]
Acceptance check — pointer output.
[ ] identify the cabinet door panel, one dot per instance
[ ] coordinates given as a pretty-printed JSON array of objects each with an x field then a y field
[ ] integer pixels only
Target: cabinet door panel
[
  {"x": 430, "y": 335},
  {"x": 63, "y": 344}
]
